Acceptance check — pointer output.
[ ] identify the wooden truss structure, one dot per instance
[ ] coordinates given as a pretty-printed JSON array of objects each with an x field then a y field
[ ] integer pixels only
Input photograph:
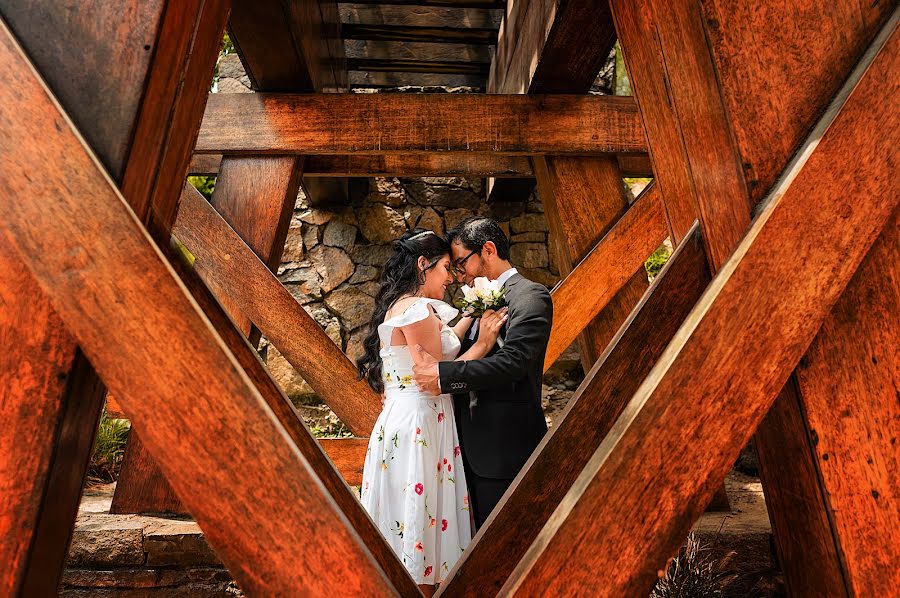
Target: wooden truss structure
[{"x": 773, "y": 151}]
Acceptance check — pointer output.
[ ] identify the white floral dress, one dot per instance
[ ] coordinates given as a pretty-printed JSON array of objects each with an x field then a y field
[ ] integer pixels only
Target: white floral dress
[{"x": 413, "y": 483}]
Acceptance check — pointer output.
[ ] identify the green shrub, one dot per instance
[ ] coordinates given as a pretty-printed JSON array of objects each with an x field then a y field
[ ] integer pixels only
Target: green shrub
[
  {"x": 109, "y": 448},
  {"x": 657, "y": 260}
]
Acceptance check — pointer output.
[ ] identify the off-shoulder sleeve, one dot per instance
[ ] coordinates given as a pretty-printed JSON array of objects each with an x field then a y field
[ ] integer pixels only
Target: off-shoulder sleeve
[{"x": 416, "y": 312}]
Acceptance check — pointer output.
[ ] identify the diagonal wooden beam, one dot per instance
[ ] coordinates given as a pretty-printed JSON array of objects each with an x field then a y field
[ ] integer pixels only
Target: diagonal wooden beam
[
  {"x": 419, "y": 123},
  {"x": 583, "y": 198},
  {"x": 608, "y": 267},
  {"x": 119, "y": 297},
  {"x": 133, "y": 79},
  {"x": 228, "y": 266},
  {"x": 588, "y": 418},
  {"x": 828, "y": 209}
]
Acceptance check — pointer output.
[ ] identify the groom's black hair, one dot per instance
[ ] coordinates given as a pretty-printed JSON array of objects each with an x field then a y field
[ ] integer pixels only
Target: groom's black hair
[{"x": 475, "y": 231}]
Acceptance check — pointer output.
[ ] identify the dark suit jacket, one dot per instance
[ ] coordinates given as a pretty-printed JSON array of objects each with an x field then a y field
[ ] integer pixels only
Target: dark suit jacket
[{"x": 502, "y": 423}]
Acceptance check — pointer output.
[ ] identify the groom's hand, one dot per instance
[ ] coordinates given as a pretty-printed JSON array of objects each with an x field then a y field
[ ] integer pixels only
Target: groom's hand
[{"x": 425, "y": 371}]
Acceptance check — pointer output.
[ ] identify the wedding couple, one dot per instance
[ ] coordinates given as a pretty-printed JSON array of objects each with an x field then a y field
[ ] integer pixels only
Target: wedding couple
[{"x": 462, "y": 411}]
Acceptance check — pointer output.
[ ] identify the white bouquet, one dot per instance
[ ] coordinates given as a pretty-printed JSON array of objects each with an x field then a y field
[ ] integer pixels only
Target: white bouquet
[{"x": 485, "y": 294}]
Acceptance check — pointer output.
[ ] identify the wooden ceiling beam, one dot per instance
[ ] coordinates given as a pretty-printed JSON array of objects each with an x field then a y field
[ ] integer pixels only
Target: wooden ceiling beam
[
  {"x": 589, "y": 416},
  {"x": 607, "y": 268},
  {"x": 120, "y": 298},
  {"x": 419, "y": 123},
  {"x": 411, "y": 33},
  {"x": 409, "y": 65},
  {"x": 229, "y": 268},
  {"x": 828, "y": 209},
  {"x": 487, "y": 4}
]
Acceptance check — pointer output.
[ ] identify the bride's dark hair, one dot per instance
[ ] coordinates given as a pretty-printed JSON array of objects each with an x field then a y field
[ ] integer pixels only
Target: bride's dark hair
[{"x": 400, "y": 276}]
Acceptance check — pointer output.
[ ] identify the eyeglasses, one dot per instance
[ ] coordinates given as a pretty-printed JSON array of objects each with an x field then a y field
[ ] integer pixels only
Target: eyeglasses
[{"x": 458, "y": 264}]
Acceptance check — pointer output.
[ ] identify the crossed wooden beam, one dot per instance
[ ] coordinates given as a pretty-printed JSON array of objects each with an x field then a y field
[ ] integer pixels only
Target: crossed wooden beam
[{"x": 667, "y": 388}]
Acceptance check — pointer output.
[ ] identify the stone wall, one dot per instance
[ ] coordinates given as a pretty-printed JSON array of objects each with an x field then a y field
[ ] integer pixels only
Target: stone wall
[{"x": 333, "y": 257}]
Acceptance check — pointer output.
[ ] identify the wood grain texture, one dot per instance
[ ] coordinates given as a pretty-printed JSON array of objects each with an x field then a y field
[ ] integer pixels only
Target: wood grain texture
[
  {"x": 418, "y": 123},
  {"x": 828, "y": 210},
  {"x": 811, "y": 50},
  {"x": 607, "y": 268},
  {"x": 96, "y": 263},
  {"x": 228, "y": 266},
  {"x": 583, "y": 198},
  {"x": 797, "y": 512},
  {"x": 487, "y": 4},
  {"x": 115, "y": 48},
  {"x": 141, "y": 486},
  {"x": 674, "y": 81},
  {"x": 411, "y": 65},
  {"x": 588, "y": 418},
  {"x": 849, "y": 381},
  {"x": 348, "y": 456},
  {"x": 546, "y": 47},
  {"x": 346, "y": 451},
  {"x": 414, "y": 33},
  {"x": 288, "y": 46},
  {"x": 51, "y": 399},
  {"x": 171, "y": 107}
]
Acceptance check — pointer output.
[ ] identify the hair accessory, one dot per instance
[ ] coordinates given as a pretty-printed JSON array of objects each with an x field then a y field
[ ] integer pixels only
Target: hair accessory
[{"x": 420, "y": 235}]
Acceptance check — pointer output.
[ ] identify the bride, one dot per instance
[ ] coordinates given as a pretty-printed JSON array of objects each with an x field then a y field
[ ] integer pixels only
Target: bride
[{"x": 413, "y": 482}]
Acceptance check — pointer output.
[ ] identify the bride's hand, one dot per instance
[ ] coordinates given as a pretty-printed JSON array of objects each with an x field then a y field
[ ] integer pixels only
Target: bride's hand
[{"x": 491, "y": 323}]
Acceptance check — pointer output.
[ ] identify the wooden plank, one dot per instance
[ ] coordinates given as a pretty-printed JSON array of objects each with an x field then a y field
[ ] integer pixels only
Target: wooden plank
[
  {"x": 166, "y": 130},
  {"x": 348, "y": 456},
  {"x": 566, "y": 449},
  {"x": 227, "y": 265},
  {"x": 417, "y": 123},
  {"x": 583, "y": 198},
  {"x": 487, "y": 4},
  {"x": 346, "y": 451},
  {"x": 828, "y": 209},
  {"x": 545, "y": 47},
  {"x": 94, "y": 260},
  {"x": 694, "y": 158},
  {"x": 607, "y": 268},
  {"x": 121, "y": 51},
  {"x": 413, "y": 33},
  {"x": 849, "y": 382},
  {"x": 51, "y": 401},
  {"x": 408, "y": 65},
  {"x": 256, "y": 196},
  {"x": 287, "y": 46}
]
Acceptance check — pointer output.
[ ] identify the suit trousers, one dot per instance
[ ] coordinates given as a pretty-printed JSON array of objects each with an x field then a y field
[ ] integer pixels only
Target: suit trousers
[{"x": 484, "y": 493}]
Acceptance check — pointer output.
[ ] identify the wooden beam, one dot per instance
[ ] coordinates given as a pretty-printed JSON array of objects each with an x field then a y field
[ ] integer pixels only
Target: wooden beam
[
  {"x": 583, "y": 198},
  {"x": 418, "y": 123},
  {"x": 256, "y": 196},
  {"x": 411, "y": 65},
  {"x": 566, "y": 449},
  {"x": 412, "y": 33},
  {"x": 828, "y": 209},
  {"x": 606, "y": 268},
  {"x": 228, "y": 266},
  {"x": 546, "y": 47},
  {"x": 94, "y": 260},
  {"x": 487, "y": 4},
  {"x": 348, "y": 456},
  {"x": 848, "y": 384},
  {"x": 133, "y": 81}
]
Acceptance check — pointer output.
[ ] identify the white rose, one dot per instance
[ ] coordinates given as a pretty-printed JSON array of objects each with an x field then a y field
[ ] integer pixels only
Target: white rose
[
  {"x": 469, "y": 293},
  {"x": 482, "y": 285}
]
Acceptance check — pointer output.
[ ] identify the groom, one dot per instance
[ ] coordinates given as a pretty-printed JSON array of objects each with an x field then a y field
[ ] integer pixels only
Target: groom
[{"x": 497, "y": 399}]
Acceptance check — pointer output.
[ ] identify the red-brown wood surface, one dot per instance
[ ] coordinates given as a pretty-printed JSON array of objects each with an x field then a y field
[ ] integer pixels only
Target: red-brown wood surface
[
  {"x": 216, "y": 437},
  {"x": 696, "y": 164},
  {"x": 588, "y": 418},
  {"x": 228, "y": 266},
  {"x": 344, "y": 455},
  {"x": 828, "y": 210},
  {"x": 583, "y": 198},
  {"x": 849, "y": 381},
  {"x": 418, "y": 123},
  {"x": 51, "y": 403},
  {"x": 183, "y": 61},
  {"x": 141, "y": 486},
  {"x": 605, "y": 270}
]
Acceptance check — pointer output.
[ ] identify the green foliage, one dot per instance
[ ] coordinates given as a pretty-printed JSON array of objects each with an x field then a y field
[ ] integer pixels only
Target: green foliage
[
  {"x": 109, "y": 448},
  {"x": 657, "y": 260},
  {"x": 694, "y": 573},
  {"x": 204, "y": 184},
  {"x": 622, "y": 85},
  {"x": 337, "y": 430}
]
